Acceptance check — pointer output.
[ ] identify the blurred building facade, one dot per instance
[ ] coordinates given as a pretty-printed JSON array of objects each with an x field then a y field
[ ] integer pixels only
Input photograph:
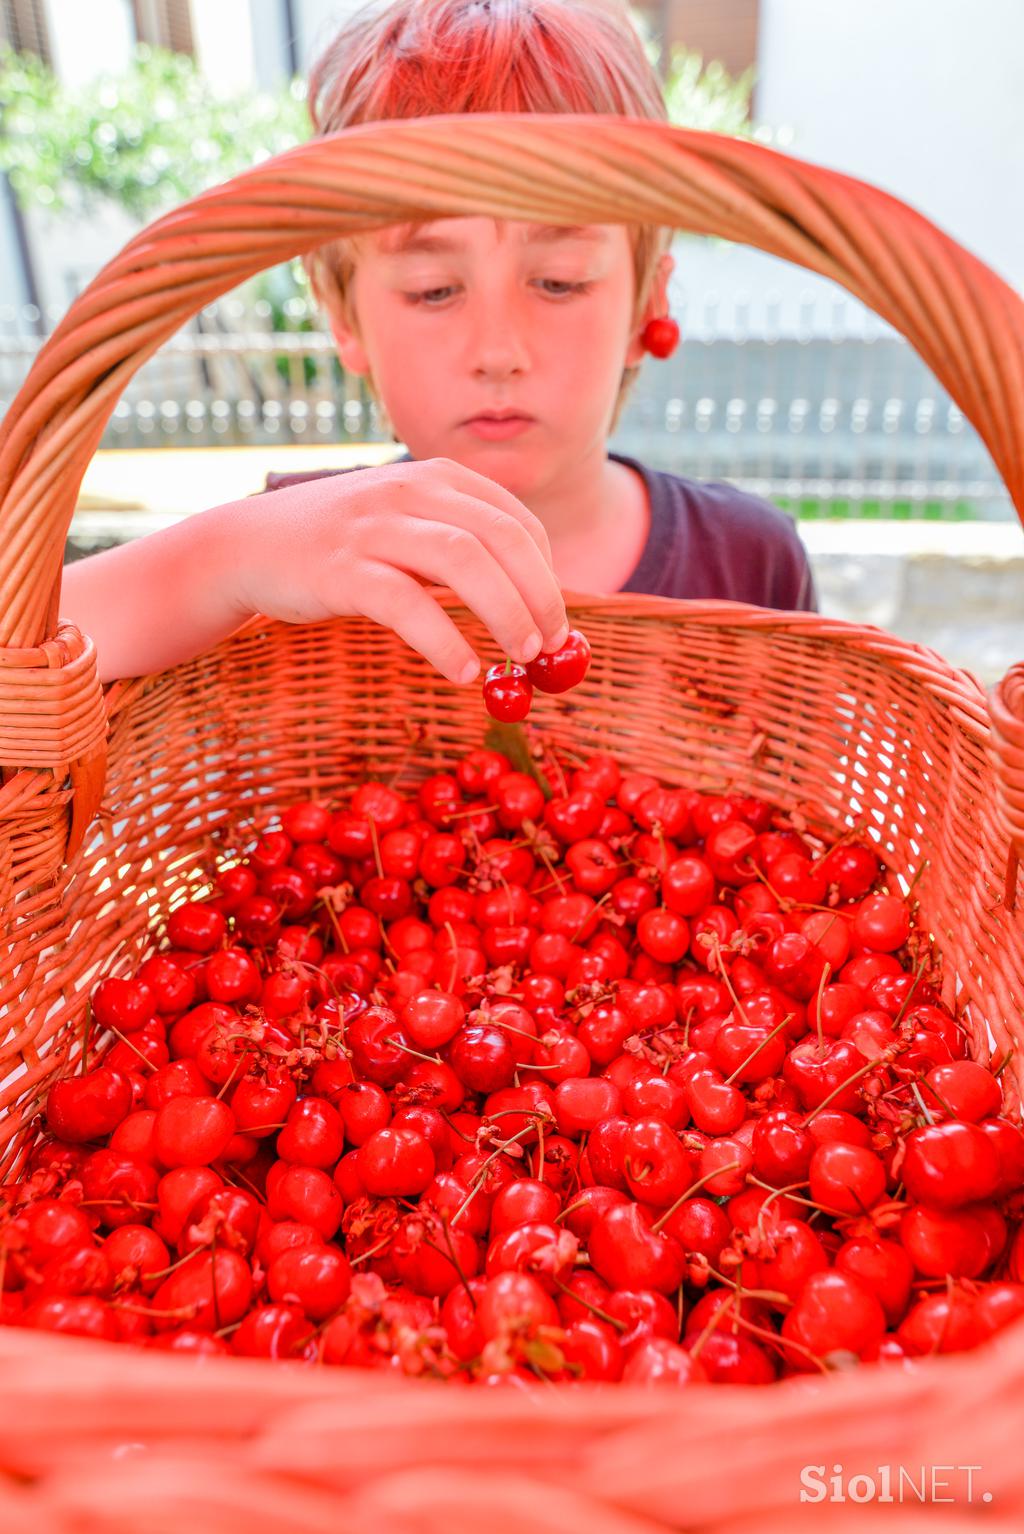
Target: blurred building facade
[{"x": 921, "y": 97}]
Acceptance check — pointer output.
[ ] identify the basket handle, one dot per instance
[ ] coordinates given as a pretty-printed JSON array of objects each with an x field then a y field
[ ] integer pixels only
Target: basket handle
[{"x": 966, "y": 323}]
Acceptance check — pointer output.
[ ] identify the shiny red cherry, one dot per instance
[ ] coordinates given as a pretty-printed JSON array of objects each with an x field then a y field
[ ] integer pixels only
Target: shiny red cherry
[{"x": 561, "y": 669}]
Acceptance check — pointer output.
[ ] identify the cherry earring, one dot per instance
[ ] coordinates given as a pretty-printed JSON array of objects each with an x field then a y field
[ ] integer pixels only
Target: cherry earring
[{"x": 660, "y": 336}]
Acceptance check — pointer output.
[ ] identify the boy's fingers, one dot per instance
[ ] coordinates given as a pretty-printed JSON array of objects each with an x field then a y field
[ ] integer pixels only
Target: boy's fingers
[
  {"x": 479, "y": 487},
  {"x": 517, "y": 556},
  {"x": 516, "y": 552},
  {"x": 394, "y": 600},
  {"x": 451, "y": 556}
]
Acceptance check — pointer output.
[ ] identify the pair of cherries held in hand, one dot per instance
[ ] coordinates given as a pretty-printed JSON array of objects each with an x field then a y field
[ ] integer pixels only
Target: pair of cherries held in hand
[{"x": 508, "y": 688}]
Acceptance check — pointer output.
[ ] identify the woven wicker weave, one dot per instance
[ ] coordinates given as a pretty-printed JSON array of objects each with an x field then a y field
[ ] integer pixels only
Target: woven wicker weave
[{"x": 842, "y": 724}]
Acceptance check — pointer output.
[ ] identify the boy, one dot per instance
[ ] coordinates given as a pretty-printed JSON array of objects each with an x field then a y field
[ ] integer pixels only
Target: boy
[{"x": 502, "y": 353}]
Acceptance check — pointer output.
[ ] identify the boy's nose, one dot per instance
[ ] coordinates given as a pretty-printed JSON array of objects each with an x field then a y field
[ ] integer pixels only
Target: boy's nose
[
  {"x": 497, "y": 347},
  {"x": 497, "y": 364}
]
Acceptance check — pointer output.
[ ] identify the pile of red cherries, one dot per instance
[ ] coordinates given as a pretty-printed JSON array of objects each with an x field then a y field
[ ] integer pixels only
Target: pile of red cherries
[{"x": 628, "y": 1082}]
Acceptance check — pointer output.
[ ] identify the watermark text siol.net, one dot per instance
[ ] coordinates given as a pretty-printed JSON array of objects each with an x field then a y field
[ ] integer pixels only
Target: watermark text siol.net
[{"x": 893, "y": 1483}]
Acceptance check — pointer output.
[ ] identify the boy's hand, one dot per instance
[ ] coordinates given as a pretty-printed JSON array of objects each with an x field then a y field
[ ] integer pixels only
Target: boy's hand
[{"x": 361, "y": 543}]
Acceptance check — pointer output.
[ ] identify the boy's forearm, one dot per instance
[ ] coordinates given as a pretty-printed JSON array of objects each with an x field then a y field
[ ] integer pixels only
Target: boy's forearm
[{"x": 156, "y": 601}]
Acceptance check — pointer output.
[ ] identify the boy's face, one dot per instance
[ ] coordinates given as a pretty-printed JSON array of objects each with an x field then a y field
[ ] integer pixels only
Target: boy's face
[{"x": 468, "y": 316}]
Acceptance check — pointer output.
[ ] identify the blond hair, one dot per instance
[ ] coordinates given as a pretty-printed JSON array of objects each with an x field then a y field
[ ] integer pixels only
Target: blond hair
[{"x": 420, "y": 58}]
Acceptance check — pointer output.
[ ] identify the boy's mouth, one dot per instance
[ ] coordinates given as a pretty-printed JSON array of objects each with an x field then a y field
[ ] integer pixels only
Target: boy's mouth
[
  {"x": 497, "y": 425},
  {"x": 508, "y": 414}
]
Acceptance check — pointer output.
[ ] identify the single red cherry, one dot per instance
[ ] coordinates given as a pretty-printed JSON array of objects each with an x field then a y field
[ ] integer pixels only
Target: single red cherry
[
  {"x": 126, "y": 1005},
  {"x": 835, "y": 1312},
  {"x": 661, "y": 336},
  {"x": 657, "y": 1361},
  {"x": 81, "y": 1108},
  {"x": 846, "y": 1178},
  {"x": 271, "y": 1331},
  {"x": 883, "y": 1267},
  {"x": 945, "y": 1243},
  {"x": 949, "y": 1165},
  {"x": 561, "y": 669},
  {"x": 962, "y": 1089},
  {"x": 883, "y": 923},
  {"x": 317, "y": 1278},
  {"x": 508, "y": 693},
  {"x": 628, "y": 1253}
]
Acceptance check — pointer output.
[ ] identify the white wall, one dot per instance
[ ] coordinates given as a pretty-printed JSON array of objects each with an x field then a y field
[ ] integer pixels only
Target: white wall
[
  {"x": 922, "y": 97},
  {"x": 316, "y": 23},
  {"x": 269, "y": 44},
  {"x": 89, "y": 39},
  {"x": 223, "y": 39},
  {"x": 13, "y": 291}
]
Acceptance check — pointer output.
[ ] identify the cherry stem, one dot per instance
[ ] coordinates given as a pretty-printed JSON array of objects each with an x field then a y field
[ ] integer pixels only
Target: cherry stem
[
  {"x": 597, "y": 906},
  {"x": 178, "y": 1263},
  {"x": 729, "y": 1166},
  {"x": 716, "y": 947},
  {"x": 229, "y": 1080},
  {"x": 774, "y": 1295},
  {"x": 456, "y": 1264},
  {"x": 822, "y": 983},
  {"x": 329, "y": 908},
  {"x": 538, "y": 1172},
  {"x": 86, "y": 1038},
  {"x": 714, "y": 1321},
  {"x": 407, "y": 1049},
  {"x": 232, "y": 1172},
  {"x": 125, "y": 1040},
  {"x": 481, "y": 1176},
  {"x": 454, "y": 954},
  {"x": 788, "y": 1190},
  {"x": 376, "y": 845},
  {"x": 183, "y": 1313},
  {"x": 496, "y": 1022},
  {"x": 455, "y": 1128},
  {"x": 917, "y": 877},
  {"x": 213, "y": 1278},
  {"x": 863, "y": 1071},
  {"x": 758, "y": 1048},
  {"x": 371, "y": 1252},
  {"x": 581, "y": 1203},
  {"x": 595, "y": 1310},
  {"x": 782, "y": 1343},
  {"x": 840, "y": 841},
  {"x": 928, "y": 1118},
  {"x": 122, "y": 1199},
  {"x": 907, "y": 999}
]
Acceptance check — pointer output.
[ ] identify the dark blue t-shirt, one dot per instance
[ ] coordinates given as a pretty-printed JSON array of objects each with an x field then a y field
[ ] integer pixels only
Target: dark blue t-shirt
[{"x": 706, "y": 540}]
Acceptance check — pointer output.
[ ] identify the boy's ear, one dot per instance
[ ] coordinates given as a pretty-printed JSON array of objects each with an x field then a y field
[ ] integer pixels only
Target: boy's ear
[
  {"x": 350, "y": 347},
  {"x": 656, "y": 306}
]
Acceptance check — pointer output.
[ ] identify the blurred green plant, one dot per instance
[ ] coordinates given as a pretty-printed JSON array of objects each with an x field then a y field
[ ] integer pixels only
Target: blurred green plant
[
  {"x": 707, "y": 96},
  {"x": 700, "y": 95},
  {"x": 144, "y": 139}
]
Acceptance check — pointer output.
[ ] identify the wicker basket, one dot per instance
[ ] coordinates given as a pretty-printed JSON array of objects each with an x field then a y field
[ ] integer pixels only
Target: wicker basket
[{"x": 113, "y": 808}]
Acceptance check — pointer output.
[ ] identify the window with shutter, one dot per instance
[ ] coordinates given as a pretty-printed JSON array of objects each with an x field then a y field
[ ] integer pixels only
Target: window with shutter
[
  {"x": 164, "y": 24},
  {"x": 717, "y": 29},
  {"x": 23, "y": 28}
]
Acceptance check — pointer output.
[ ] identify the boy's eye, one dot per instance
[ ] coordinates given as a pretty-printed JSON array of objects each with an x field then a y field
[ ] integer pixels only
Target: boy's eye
[
  {"x": 429, "y": 296},
  {"x": 554, "y": 287},
  {"x": 560, "y": 289}
]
